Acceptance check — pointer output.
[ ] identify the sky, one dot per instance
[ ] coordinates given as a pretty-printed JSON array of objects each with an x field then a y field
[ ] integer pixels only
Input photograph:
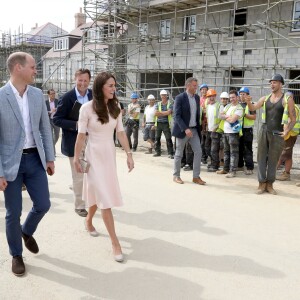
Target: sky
[{"x": 18, "y": 14}]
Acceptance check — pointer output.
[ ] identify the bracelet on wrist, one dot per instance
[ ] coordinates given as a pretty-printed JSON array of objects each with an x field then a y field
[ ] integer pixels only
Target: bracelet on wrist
[{"x": 129, "y": 152}]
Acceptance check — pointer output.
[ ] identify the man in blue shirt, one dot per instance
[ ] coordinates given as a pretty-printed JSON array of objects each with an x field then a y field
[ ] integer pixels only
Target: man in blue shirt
[{"x": 82, "y": 94}]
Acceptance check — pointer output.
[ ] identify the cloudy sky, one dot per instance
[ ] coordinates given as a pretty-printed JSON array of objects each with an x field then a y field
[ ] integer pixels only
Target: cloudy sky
[{"x": 16, "y": 14}]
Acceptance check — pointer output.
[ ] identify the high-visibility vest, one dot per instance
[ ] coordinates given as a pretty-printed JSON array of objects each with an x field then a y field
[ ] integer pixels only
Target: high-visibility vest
[
  {"x": 138, "y": 115},
  {"x": 159, "y": 109},
  {"x": 285, "y": 116},
  {"x": 216, "y": 113},
  {"x": 221, "y": 124},
  {"x": 247, "y": 122}
]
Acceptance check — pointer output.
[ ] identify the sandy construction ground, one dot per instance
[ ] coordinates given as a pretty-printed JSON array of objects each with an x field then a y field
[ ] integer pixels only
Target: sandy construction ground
[{"x": 214, "y": 242}]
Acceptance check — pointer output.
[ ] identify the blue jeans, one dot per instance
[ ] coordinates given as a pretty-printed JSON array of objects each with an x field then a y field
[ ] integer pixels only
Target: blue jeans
[{"x": 32, "y": 173}]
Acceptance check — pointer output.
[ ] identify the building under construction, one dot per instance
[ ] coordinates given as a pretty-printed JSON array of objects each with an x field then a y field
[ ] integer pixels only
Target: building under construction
[
  {"x": 223, "y": 43},
  {"x": 37, "y": 42}
]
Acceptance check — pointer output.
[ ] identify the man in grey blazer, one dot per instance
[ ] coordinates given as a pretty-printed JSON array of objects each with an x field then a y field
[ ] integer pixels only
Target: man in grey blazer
[{"x": 26, "y": 152}]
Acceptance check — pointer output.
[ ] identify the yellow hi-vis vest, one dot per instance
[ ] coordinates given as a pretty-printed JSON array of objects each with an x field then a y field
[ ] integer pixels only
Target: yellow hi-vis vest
[
  {"x": 221, "y": 124},
  {"x": 169, "y": 116},
  {"x": 138, "y": 115},
  {"x": 285, "y": 116},
  {"x": 247, "y": 122},
  {"x": 216, "y": 113}
]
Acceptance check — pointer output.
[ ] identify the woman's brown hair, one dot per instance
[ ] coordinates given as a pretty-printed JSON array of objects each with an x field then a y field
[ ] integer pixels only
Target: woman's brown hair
[{"x": 100, "y": 107}]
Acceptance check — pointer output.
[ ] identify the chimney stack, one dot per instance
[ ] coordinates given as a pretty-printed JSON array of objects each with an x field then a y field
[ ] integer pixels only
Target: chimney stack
[
  {"x": 80, "y": 18},
  {"x": 34, "y": 27}
]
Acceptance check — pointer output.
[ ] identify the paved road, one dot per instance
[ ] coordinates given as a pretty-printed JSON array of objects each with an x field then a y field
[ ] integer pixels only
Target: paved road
[{"x": 216, "y": 242}]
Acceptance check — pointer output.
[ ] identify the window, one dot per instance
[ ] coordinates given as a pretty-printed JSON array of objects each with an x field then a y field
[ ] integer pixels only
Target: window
[
  {"x": 189, "y": 27},
  {"x": 294, "y": 84},
  {"x": 165, "y": 30},
  {"x": 61, "y": 44},
  {"x": 296, "y": 16},
  {"x": 143, "y": 31},
  {"x": 92, "y": 35},
  {"x": 239, "y": 20},
  {"x": 91, "y": 67},
  {"x": 236, "y": 80},
  {"x": 51, "y": 71}
]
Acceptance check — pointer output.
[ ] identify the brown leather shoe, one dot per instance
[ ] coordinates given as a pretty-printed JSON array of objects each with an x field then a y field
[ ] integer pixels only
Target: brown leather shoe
[
  {"x": 261, "y": 188},
  {"x": 30, "y": 243},
  {"x": 199, "y": 181},
  {"x": 17, "y": 266},
  {"x": 178, "y": 180},
  {"x": 269, "y": 188}
]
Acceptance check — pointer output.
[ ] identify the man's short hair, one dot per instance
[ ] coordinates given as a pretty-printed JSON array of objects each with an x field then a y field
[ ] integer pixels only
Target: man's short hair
[
  {"x": 233, "y": 92},
  {"x": 50, "y": 90},
  {"x": 190, "y": 79},
  {"x": 16, "y": 58},
  {"x": 83, "y": 71}
]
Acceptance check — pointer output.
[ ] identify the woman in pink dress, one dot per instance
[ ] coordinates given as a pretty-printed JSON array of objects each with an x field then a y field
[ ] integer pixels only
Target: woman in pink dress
[{"x": 99, "y": 118}]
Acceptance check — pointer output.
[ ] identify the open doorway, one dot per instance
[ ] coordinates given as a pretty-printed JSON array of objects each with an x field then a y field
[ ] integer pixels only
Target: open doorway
[{"x": 294, "y": 86}]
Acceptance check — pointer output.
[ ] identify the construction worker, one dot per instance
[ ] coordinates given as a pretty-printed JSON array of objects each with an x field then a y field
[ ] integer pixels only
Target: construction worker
[
  {"x": 163, "y": 118},
  {"x": 231, "y": 125},
  {"x": 203, "y": 88},
  {"x": 278, "y": 118},
  {"x": 149, "y": 123},
  {"x": 246, "y": 140},
  {"x": 224, "y": 100},
  {"x": 133, "y": 121},
  {"x": 212, "y": 143},
  {"x": 286, "y": 156}
]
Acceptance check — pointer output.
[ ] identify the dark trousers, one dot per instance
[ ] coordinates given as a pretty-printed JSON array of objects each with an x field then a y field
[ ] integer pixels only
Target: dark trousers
[
  {"x": 163, "y": 128},
  {"x": 231, "y": 151},
  {"x": 135, "y": 131},
  {"x": 207, "y": 145},
  {"x": 268, "y": 153},
  {"x": 32, "y": 173},
  {"x": 203, "y": 140},
  {"x": 215, "y": 149},
  {"x": 55, "y": 133},
  {"x": 245, "y": 149},
  {"x": 188, "y": 155}
]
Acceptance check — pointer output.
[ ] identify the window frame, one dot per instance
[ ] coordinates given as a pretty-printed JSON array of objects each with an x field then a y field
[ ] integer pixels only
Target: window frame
[
  {"x": 189, "y": 33},
  {"x": 293, "y": 21},
  {"x": 143, "y": 31},
  {"x": 164, "y": 37},
  {"x": 61, "y": 44}
]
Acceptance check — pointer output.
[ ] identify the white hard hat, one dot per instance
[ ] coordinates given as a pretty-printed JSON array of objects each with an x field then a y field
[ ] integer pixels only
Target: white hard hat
[
  {"x": 151, "y": 97},
  {"x": 224, "y": 95},
  {"x": 163, "y": 92}
]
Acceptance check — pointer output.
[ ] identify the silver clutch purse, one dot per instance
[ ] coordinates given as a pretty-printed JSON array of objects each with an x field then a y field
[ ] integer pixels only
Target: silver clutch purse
[{"x": 84, "y": 165}]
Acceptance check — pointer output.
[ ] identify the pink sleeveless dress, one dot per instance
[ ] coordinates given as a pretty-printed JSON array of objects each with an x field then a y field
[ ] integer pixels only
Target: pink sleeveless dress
[{"x": 100, "y": 184}]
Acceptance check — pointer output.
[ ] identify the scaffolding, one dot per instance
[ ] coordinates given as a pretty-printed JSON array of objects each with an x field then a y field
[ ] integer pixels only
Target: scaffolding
[
  {"x": 220, "y": 50},
  {"x": 224, "y": 43},
  {"x": 36, "y": 45}
]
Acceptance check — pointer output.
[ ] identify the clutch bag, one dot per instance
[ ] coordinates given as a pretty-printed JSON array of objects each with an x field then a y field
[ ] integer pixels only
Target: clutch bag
[{"x": 84, "y": 165}]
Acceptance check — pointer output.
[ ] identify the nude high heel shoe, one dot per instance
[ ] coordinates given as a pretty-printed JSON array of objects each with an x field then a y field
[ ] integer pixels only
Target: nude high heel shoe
[{"x": 93, "y": 233}]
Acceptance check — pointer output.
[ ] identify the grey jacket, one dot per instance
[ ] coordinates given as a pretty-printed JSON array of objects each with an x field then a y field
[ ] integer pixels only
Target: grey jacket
[{"x": 12, "y": 130}]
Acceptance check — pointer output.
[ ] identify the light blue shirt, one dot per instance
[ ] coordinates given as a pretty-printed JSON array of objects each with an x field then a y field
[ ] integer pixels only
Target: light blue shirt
[
  {"x": 193, "y": 110},
  {"x": 82, "y": 99}
]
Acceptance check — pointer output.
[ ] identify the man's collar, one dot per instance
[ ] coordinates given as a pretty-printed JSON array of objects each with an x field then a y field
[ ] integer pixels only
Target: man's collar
[
  {"x": 78, "y": 94},
  {"x": 16, "y": 92},
  {"x": 190, "y": 95}
]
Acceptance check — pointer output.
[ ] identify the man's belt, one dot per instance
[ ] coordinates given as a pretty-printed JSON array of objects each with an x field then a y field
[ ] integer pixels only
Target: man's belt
[{"x": 30, "y": 150}]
